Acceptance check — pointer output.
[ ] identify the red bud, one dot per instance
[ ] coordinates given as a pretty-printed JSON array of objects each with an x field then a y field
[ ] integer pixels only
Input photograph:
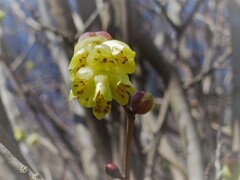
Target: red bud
[
  {"x": 113, "y": 171},
  {"x": 141, "y": 102},
  {"x": 102, "y": 34}
]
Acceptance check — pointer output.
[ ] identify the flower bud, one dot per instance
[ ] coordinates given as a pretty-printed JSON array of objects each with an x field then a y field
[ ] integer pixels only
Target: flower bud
[
  {"x": 141, "y": 102},
  {"x": 102, "y": 34},
  {"x": 113, "y": 171}
]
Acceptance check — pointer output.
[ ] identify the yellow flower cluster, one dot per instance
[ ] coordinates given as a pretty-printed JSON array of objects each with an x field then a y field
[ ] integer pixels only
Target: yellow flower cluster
[{"x": 99, "y": 72}]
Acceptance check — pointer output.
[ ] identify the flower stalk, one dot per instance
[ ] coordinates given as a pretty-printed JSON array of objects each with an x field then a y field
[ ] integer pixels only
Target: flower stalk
[{"x": 128, "y": 142}]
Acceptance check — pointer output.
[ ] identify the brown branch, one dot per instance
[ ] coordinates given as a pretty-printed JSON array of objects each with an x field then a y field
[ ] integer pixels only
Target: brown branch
[
  {"x": 91, "y": 19},
  {"x": 187, "y": 129},
  {"x": 214, "y": 66},
  {"x": 164, "y": 12},
  {"x": 37, "y": 25},
  {"x": 16, "y": 164}
]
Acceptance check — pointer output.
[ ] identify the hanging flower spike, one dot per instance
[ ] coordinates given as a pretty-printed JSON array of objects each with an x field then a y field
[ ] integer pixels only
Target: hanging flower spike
[{"x": 99, "y": 72}]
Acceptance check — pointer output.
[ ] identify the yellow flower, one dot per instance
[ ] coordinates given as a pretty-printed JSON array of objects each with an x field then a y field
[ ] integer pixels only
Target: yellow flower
[
  {"x": 99, "y": 72},
  {"x": 124, "y": 56}
]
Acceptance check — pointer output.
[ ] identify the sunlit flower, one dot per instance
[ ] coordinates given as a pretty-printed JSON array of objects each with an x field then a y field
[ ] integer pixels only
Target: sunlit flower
[{"x": 99, "y": 72}]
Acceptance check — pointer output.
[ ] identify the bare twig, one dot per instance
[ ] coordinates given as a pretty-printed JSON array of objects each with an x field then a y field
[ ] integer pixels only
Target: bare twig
[
  {"x": 207, "y": 170},
  {"x": 22, "y": 56},
  {"x": 15, "y": 163},
  {"x": 168, "y": 153},
  {"x": 38, "y": 26},
  {"x": 187, "y": 129},
  {"x": 217, "y": 162},
  {"x": 206, "y": 72},
  {"x": 190, "y": 17},
  {"x": 175, "y": 26},
  {"x": 91, "y": 19}
]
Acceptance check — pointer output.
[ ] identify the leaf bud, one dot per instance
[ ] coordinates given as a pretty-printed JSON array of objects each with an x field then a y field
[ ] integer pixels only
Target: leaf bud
[{"x": 141, "y": 102}]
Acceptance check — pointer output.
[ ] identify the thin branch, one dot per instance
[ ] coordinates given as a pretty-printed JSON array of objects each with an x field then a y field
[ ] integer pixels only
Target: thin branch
[
  {"x": 190, "y": 17},
  {"x": 91, "y": 19},
  {"x": 16, "y": 164},
  {"x": 36, "y": 24},
  {"x": 128, "y": 142},
  {"x": 214, "y": 66},
  {"x": 164, "y": 12},
  {"x": 22, "y": 56}
]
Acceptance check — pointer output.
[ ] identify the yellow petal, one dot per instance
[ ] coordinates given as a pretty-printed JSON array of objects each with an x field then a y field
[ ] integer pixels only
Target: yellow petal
[
  {"x": 103, "y": 96},
  {"x": 78, "y": 61},
  {"x": 88, "y": 43},
  {"x": 121, "y": 87},
  {"x": 101, "y": 107},
  {"x": 102, "y": 87},
  {"x": 85, "y": 73},
  {"x": 101, "y": 57},
  {"x": 83, "y": 86},
  {"x": 123, "y": 55},
  {"x": 122, "y": 92}
]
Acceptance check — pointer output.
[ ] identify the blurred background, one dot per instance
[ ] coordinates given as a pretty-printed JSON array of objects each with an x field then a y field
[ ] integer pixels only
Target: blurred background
[{"x": 187, "y": 57}]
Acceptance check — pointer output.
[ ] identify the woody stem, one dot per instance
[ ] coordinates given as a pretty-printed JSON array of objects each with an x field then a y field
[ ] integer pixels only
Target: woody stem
[{"x": 128, "y": 142}]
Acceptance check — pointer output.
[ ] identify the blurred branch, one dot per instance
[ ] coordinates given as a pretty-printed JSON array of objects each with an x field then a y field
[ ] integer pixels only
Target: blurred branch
[
  {"x": 15, "y": 163},
  {"x": 89, "y": 12},
  {"x": 187, "y": 129},
  {"x": 164, "y": 12},
  {"x": 62, "y": 15},
  {"x": 22, "y": 56},
  {"x": 180, "y": 28},
  {"x": 190, "y": 17},
  {"x": 217, "y": 64},
  {"x": 91, "y": 19},
  {"x": 177, "y": 100},
  {"x": 234, "y": 13},
  {"x": 218, "y": 156},
  {"x": 38, "y": 26},
  {"x": 168, "y": 153}
]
